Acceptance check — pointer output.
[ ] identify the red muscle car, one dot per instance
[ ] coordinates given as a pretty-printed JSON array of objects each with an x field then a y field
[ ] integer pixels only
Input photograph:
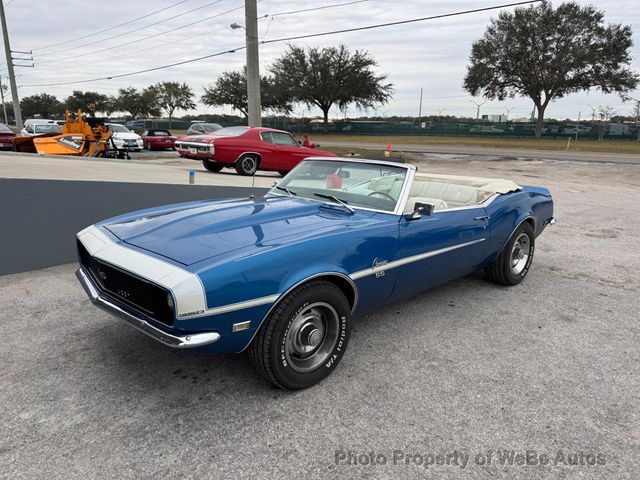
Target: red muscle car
[
  {"x": 157, "y": 139},
  {"x": 6, "y": 137},
  {"x": 247, "y": 150}
]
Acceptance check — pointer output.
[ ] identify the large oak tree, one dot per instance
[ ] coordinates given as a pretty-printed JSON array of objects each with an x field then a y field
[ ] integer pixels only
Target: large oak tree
[
  {"x": 88, "y": 100},
  {"x": 42, "y": 104},
  {"x": 324, "y": 77},
  {"x": 230, "y": 88},
  {"x": 545, "y": 53},
  {"x": 172, "y": 96},
  {"x": 138, "y": 104}
]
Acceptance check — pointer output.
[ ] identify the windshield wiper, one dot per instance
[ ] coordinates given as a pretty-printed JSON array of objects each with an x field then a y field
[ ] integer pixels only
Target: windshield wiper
[
  {"x": 342, "y": 203},
  {"x": 285, "y": 189}
]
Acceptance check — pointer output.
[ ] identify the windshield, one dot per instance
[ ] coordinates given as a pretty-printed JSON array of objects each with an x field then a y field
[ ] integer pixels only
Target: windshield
[
  {"x": 118, "y": 128},
  {"x": 231, "y": 131},
  {"x": 47, "y": 128},
  {"x": 211, "y": 127},
  {"x": 356, "y": 184}
]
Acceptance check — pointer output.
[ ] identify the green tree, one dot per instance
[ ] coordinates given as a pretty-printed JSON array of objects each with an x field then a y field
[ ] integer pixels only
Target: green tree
[
  {"x": 331, "y": 76},
  {"x": 545, "y": 53},
  {"x": 138, "y": 104},
  {"x": 86, "y": 101},
  {"x": 42, "y": 104},
  {"x": 231, "y": 89},
  {"x": 174, "y": 96}
]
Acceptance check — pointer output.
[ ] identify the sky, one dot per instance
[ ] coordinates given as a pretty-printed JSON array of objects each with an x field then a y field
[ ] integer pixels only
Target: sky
[{"x": 432, "y": 55}]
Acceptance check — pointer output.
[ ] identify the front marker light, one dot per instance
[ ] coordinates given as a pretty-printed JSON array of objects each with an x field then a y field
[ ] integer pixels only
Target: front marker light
[{"x": 170, "y": 302}]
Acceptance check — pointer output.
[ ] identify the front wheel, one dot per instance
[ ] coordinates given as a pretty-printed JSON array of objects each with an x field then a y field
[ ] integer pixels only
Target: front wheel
[
  {"x": 212, "y": 166},
  {"x": 304, "y": 338},
  {"x": 513, "y": 263},
  {"x": 247, "y": 165}
]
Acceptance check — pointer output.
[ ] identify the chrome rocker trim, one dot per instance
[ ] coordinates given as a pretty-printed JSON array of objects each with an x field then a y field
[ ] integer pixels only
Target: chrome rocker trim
[{"x": 188, "y": 341}]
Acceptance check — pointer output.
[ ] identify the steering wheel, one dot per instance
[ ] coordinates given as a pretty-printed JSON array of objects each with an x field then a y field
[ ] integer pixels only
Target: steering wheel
[{"x": 382, "y": 194}]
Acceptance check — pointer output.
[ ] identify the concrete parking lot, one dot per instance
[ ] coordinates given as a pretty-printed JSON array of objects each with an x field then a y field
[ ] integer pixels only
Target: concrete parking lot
[{"x": 550, "y": 366}]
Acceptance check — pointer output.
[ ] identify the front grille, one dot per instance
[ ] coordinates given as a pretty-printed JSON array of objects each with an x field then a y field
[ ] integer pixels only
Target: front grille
[{"x": 133, "y": 291}]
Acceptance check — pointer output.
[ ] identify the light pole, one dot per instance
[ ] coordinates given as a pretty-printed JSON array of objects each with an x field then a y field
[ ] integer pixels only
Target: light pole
[
  {"x": 4, "y": 106},
  {"x": 254, "y": 107},
  {"x": 12, "y": 77},
  {"x": 478, "y": 105}
]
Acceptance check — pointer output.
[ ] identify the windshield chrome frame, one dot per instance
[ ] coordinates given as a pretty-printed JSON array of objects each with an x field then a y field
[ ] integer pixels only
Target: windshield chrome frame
[{"x": 404, "y": 191}]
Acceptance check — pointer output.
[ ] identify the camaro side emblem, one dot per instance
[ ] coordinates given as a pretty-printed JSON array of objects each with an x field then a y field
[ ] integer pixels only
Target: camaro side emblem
[{"x": 378, "y": 264}]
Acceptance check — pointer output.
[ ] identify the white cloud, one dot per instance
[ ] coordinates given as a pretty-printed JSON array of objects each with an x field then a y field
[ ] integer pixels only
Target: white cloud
[{"x": 432, "y": 55}]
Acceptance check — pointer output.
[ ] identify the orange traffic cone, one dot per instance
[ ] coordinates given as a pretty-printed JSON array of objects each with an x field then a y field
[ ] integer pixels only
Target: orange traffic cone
[{"x": 387, "y": 152}]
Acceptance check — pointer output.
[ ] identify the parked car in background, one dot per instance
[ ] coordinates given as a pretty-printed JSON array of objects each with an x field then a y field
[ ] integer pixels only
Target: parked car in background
[
  {"x": 135, "y": 124},
  {"x": 125, "y": 138},
  {"x": 485, "y": 129},
  {"x": 281, "y": 276},
  {"x": 247, "y": 150},
  {"x": 6, "y": 137},
  {"x": 157, "y": 139},
  {"x": 37, "y": 126},
  {"x": 198, "y": 128}
]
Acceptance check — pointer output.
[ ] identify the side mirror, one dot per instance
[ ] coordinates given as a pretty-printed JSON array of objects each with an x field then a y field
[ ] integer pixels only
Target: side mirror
[
  {"x": 299, "y": 142},
  {"x": 420, "y": 209}
]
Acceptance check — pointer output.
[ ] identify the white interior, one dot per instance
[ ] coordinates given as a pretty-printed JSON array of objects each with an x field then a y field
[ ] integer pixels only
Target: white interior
[{"x": 454, "y": 191}]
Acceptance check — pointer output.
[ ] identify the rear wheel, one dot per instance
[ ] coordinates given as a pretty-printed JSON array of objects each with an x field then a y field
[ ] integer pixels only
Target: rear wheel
[
  {"x": 513, "y": 263},
  {"x": 304, "y": 338},
  {"x": 247, "y": 165},
  {"x": 212, "y": 166}
]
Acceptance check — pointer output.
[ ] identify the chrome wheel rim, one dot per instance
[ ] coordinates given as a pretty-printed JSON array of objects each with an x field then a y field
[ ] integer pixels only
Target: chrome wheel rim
[
  {"x": 248, "y": 164},
  {"x": 311, "y": 337},
  {"x": 520, "y": 253}
]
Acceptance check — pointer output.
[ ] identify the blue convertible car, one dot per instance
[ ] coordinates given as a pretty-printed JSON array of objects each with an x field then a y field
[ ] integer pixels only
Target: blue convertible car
[{"x": 282, "y": 275}]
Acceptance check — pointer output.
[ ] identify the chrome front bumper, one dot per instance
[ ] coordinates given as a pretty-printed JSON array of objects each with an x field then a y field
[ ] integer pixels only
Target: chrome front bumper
[{"x": 187, "y": 341}]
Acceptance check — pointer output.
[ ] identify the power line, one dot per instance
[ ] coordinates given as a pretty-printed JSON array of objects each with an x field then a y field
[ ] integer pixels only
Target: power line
[
  {"x": 128, "y": 32},
  {"x": 317, "y": 8},
  {"x": 111, "y": 77},
  {"x": 110, "y": 28},
  {"x": 286, "y": 39},
  {"x": 56, "y": 60},
  {"x": 400, "y": 22}
]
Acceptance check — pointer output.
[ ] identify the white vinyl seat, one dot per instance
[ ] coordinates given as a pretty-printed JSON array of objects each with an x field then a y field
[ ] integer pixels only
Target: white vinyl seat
[{"x": 441, "y": 195}]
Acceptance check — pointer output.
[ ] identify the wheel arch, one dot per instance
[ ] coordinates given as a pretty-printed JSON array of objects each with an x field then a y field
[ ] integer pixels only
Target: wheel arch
[
  {"x": 340, "y": 280},
  {"x": 528, "y": 218},
  {"x": 255, "y": 154}
]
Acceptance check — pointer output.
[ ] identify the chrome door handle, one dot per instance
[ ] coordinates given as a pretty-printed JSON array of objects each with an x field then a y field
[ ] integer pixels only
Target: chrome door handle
[{"x": 484, "y": 218}]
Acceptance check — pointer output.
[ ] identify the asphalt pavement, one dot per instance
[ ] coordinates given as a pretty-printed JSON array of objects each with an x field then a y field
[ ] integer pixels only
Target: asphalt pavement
[{"x": 469, "y": 380}]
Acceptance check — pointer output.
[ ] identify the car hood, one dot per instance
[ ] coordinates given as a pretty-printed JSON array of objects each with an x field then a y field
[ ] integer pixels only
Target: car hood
[
  {"x": 197, "y": 231},
  {"x": 126, "y": 136}
]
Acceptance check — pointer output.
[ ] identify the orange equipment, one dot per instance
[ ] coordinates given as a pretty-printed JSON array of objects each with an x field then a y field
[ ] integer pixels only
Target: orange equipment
[{"x": 83, "y": 137}]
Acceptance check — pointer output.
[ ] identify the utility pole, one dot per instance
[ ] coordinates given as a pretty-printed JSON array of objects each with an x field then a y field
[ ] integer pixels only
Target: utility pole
[
  {"x": 4, "y": 106},
  {"x": 12, "y": 77},
  {"x": 253, "y": 64},
  {"x": 578, "y": 126},
  {"x": 420, "y": 108}
]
